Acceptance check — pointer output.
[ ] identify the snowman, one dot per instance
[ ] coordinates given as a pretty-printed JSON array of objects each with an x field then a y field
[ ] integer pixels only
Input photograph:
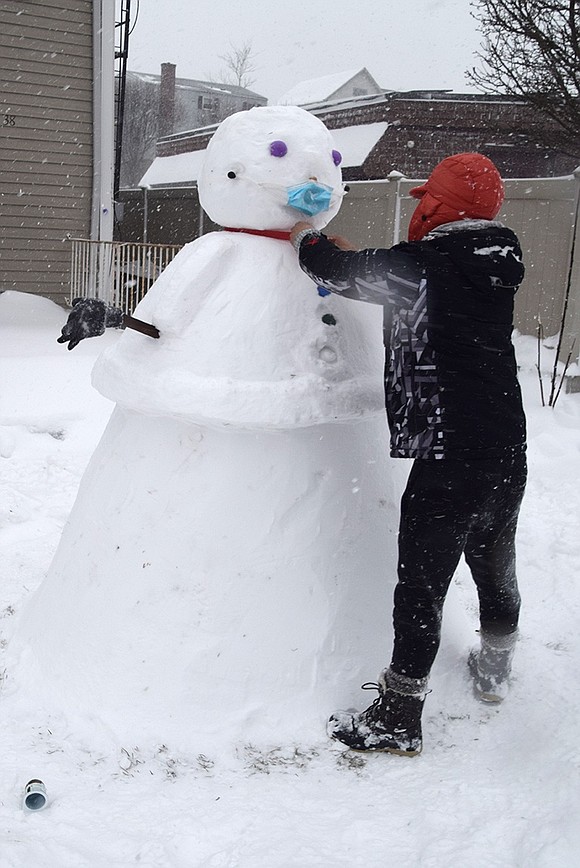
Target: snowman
[{"x": 222, "y": 577}]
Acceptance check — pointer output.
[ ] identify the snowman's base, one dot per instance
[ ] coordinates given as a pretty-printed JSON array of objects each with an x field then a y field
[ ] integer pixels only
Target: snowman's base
[{"x": 173, "y": 613}]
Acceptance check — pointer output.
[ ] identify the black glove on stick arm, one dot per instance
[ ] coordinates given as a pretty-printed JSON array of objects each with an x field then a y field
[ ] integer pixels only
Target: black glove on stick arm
[{"x": 90, "y": 317}]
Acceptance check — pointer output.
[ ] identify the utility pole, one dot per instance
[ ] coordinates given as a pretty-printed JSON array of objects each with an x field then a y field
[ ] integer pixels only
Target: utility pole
[{"x": 123, "y": 31}]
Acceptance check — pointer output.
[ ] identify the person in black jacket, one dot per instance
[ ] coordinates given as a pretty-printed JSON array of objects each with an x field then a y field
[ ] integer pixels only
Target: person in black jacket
[{"x": 454, "y": 405}]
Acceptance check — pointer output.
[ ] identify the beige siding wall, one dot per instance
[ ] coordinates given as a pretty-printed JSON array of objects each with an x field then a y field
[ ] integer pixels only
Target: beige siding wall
[{"x": 45, "y": 140}]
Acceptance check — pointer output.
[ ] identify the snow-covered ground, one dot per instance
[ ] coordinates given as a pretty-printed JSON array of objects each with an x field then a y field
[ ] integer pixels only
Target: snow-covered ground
[{"x": 494, "y": 787}]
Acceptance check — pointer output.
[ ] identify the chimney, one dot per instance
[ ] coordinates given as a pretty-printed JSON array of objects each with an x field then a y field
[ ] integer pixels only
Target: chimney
[{"x": 167, "y": 99}]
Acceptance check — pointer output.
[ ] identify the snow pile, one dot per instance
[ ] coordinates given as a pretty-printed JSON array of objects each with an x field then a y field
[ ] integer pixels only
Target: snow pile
[{"x": 508, "y": 775}]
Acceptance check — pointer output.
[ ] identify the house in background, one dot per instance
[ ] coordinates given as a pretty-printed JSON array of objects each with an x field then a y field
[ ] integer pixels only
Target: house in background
[
  {"x": 378, "y": 133},
  {"x": 56, "y": 138},
  {"x": 423, "y": 127},
  {"x": 180, "y": 156},
  {"x": 338, "y": 86},
  {"x": 403, "y": 132},
  {"x": 160, "y": 105}
]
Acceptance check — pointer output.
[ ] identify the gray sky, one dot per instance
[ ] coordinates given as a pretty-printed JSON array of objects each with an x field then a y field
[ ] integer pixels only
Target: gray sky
[{"x": 405, "y": 44}]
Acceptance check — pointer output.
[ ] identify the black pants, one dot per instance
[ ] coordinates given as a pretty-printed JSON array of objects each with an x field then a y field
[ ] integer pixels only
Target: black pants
[{"x": 452, "y": 507}]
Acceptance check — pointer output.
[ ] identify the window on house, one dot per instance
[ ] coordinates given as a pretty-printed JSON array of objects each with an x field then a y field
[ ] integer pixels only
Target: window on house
[{"x": 208, "y": 102}]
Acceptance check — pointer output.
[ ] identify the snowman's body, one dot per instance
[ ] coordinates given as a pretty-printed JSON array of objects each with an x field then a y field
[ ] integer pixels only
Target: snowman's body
[{"x": 222, "y": 577}]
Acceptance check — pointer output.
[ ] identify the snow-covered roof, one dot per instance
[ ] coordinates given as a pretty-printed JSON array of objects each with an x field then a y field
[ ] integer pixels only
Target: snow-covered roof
[
  {"x": 171, "y": 171},
  {"x": 196, "y": 84},
  {"x": 354, "y": 143},
  {"x": 317, "y": 89}
]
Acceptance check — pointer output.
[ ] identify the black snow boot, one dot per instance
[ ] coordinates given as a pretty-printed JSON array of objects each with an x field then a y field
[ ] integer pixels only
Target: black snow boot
[
  {"x": 392, "y": 723},
  {"x": 490, "y": 667}
]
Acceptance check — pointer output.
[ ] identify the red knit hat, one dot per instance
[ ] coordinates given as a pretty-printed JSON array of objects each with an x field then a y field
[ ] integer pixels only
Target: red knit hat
[{"x": 459, "y": 187}]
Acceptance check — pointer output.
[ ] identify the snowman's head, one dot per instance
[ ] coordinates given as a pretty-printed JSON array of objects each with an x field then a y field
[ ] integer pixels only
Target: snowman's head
[{"x": 269, "y": 167}]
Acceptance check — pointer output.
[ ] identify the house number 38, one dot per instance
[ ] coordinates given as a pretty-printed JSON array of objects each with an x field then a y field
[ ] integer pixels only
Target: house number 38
[{"x": 9, "y": 121}]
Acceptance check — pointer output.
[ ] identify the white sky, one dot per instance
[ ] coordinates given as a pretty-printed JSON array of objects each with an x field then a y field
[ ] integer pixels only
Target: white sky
[{"x": 405, "y": 44}]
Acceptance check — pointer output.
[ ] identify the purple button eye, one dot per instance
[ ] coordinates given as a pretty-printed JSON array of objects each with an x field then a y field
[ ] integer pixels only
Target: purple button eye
[
  {"x": 336, "y": 158},
  {"x": 278, "y": 149}
]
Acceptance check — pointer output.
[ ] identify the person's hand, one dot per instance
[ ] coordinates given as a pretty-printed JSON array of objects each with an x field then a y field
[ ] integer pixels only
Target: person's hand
[
  {"x": 300, "y": 227},
  {"x": 89, "y": 318},
  {"x": 341, "y": 242}
]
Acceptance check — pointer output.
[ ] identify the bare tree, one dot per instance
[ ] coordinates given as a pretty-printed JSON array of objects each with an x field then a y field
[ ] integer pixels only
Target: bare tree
[
  {"x": 140, "y": 129},
  {"x": 532, "y": 50},
  {"x": 239, "y": 66},
  {"x": 239, "y": 61}
]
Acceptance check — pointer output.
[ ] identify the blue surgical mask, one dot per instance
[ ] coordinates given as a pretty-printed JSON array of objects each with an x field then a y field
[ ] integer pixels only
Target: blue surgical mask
[{"x": 310, "y": 198}]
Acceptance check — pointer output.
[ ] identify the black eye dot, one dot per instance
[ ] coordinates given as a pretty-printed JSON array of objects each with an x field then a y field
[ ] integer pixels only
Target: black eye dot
[
  {"x": 231, "y": 174},
  {"x": 328, "y": 319}
]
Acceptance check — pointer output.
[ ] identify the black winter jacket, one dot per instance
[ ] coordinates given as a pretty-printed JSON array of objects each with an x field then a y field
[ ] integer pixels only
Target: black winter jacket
[{"x": 450, "y": 374}]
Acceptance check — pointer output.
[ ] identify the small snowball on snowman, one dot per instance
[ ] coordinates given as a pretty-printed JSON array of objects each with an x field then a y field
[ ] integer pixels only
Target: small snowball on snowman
[{"x": 221, "y": 578}]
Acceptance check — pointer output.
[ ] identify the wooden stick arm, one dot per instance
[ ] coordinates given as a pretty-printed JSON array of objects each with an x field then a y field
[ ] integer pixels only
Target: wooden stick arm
[{"x": 131, "y": 322}]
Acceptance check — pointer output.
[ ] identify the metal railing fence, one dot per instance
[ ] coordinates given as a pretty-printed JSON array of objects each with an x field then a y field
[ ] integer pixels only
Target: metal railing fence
[{"x": 118, "y": 272}]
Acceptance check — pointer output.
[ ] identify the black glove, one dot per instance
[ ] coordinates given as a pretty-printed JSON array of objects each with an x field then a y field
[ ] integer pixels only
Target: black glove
[{"x": 88, "y": 319}]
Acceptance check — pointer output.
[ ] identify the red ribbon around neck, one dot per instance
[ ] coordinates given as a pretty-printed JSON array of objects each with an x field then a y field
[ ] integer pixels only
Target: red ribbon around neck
[{"x": 269, "y": 233}]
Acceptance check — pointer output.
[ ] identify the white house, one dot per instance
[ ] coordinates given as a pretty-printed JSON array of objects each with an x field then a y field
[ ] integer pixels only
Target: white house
[{"x": 339, "y": 85}]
